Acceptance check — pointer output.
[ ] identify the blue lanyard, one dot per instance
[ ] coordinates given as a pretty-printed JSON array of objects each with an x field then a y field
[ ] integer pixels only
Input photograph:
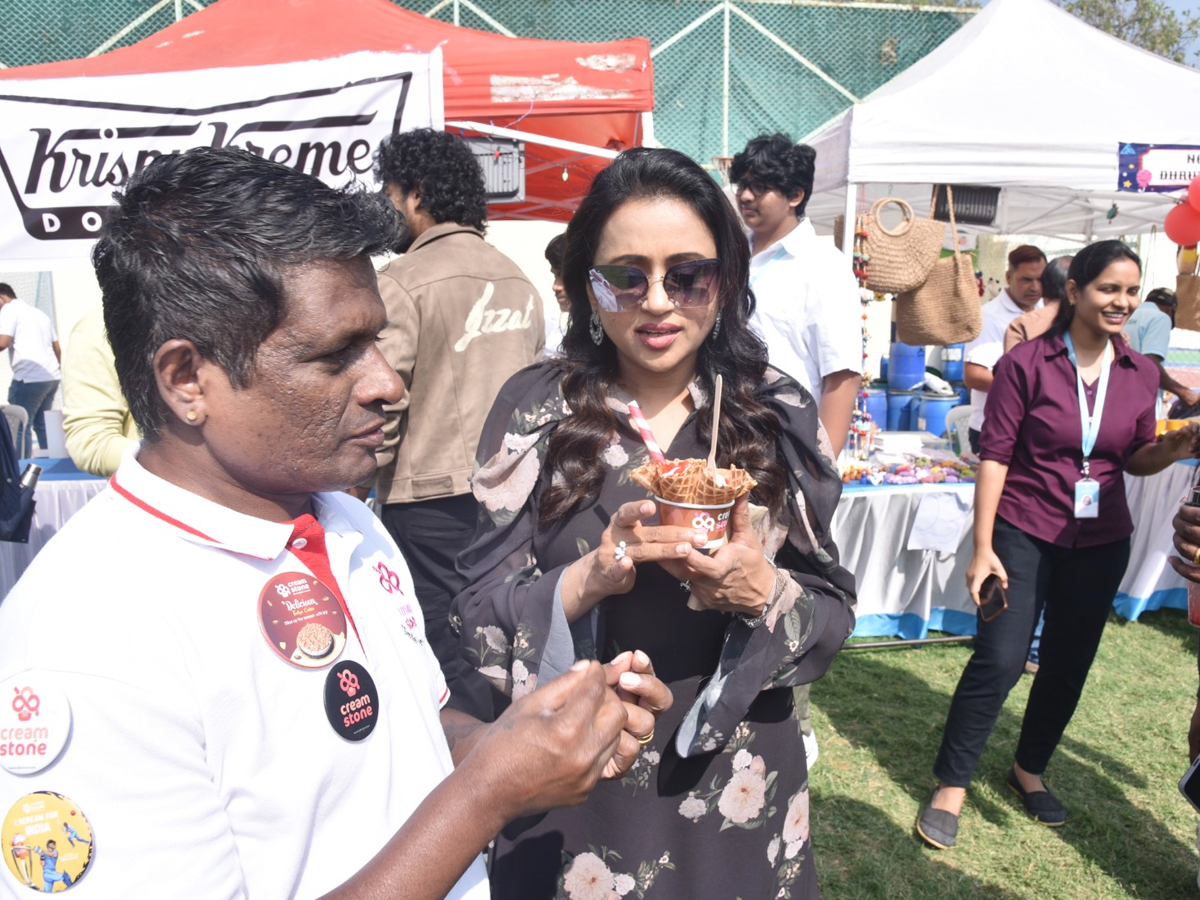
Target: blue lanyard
[{"x": 1090, "y": 424}]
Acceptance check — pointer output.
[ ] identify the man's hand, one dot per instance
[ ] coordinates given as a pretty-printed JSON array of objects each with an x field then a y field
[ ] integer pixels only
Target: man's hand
[{"x": 551, "y": 747}]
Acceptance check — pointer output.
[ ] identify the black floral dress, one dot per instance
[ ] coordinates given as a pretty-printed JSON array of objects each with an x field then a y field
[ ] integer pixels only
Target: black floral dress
[{"x": 717, "y": 805}]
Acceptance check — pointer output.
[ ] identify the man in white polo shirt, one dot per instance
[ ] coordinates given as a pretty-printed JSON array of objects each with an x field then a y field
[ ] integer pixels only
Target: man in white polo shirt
[
  {"x": 253, "y": 702},
  {"x": 1022, "y": 293},
  {"x": 32, "y": 344},
  {"x": 807, "y": 305}
]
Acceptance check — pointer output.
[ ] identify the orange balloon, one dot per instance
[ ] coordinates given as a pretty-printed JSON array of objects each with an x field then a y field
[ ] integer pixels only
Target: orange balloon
[
  {"x": 1193, "y": 194},
  {"x": 1182, "y": 224}
]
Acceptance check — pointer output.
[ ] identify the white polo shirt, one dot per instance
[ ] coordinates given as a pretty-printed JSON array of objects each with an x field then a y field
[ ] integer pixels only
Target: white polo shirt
[
  {"x": 204, "y": 762},
  {"x": 32, "y": 349},
  {"x": 987, "y": 349},
  {"x": 807, "y": 307}
]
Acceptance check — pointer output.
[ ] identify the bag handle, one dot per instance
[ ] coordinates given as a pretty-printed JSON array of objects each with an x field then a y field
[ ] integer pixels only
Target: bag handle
[
  {"x": 937, "y": 189},
  {"x": 905, "y": 224}
]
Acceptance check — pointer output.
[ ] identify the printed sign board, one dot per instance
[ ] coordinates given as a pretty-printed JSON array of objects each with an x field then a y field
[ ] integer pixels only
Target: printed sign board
[{"x": 67, "y": 144}]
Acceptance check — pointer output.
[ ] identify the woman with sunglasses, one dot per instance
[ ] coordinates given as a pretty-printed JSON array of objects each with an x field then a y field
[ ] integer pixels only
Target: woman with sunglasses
[{"x": 568, "y": 561}]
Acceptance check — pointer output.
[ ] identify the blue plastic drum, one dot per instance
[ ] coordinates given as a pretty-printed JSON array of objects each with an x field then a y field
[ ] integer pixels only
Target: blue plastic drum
[
  {"x": 952, "y": 362},
  {"x": 931, "y": 414},
  {"x": 906, "y": 367},
  {"x": 900, "y": 414}
]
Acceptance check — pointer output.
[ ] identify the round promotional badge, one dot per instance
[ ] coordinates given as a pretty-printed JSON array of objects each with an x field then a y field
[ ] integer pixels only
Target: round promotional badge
[
  {"x": 35, "y": 719},
  {"x": 301, "y": 620},
  {"x": 47, "y": 841},
  {"x": 351, "y": 702}
]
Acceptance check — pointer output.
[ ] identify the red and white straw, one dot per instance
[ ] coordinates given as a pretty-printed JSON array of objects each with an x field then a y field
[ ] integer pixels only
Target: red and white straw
[{"x": 639, "y": 422}]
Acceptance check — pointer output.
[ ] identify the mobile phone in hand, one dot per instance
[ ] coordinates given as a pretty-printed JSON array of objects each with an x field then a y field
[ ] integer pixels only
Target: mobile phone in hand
[
  {"x": 992, "y": 600},
  {"x": 1189, "y": 784}
]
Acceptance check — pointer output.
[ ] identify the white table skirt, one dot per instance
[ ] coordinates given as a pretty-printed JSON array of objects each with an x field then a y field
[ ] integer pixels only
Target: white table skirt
[
  {"x": 907, "y": 593},
  {"x": 56, "y": 502}
]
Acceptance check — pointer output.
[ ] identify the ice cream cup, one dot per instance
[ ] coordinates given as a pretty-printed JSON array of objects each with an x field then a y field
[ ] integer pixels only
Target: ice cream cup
[{"x": 713, "y": 518}]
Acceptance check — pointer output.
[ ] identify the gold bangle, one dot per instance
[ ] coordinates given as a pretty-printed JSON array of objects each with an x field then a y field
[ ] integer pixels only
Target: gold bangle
[{"x": 647, "y": 739}]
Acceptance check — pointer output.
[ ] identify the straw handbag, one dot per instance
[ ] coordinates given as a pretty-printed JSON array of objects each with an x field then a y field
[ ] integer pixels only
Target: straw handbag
[
  {"x": 1187, "y": 292},
  {"x": 900, "y": 259},
  {"x": 945, "y": 309}
]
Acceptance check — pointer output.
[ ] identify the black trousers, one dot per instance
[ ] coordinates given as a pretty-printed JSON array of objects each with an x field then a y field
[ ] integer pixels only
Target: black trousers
[
  {"x": 973, "y": 440},
  {"x": 430, "y": 534},
  {"x": 1075, "y": 587}
]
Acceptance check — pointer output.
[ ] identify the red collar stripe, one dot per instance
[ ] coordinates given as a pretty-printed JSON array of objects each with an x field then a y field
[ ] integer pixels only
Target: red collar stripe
[{"x": 158, "y": 514}]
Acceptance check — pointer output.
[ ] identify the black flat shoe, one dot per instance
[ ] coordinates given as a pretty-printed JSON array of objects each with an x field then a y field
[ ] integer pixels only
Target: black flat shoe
[
  {"x": 937, "y": 827},
  {"x": 1042, "y": 805}
]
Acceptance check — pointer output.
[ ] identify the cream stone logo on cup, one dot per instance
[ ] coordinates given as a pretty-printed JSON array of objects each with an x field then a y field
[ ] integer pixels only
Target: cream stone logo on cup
[{"x": 690, "y": 495}]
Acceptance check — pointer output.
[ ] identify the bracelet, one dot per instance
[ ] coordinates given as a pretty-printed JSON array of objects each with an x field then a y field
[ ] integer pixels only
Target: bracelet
[{"x": 776, "y": 593}]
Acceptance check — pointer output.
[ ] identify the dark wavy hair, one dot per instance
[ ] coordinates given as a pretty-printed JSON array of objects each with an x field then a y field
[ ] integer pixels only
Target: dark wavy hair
[
  {"x": 1088, "y": 265},
  {"x": 748, "y": 429},
  {"x": 445, "y": 170},
  {"x": 197, "y": 247},
  {"x": 777, "y": 162}
]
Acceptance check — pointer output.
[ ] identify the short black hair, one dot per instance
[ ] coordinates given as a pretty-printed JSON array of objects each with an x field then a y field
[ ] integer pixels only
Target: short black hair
[
  {"x": 1163, "y": 297},
  {"x": 556, "y": 250},
  {"x": 1026, "y": 253},
  {"x": 1054, "y": 278},
  {"x": 196, "y": 248},
  {"x": 777, "y": 162},
  {"x": 443, "y": 167},
  {"x": 7, "y": 291}
]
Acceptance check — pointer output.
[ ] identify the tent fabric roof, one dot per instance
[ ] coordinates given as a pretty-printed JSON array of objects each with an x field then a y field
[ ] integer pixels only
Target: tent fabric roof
[
  {"x": 1025, "y": 97},
  {"x": 591, "y": 94}
]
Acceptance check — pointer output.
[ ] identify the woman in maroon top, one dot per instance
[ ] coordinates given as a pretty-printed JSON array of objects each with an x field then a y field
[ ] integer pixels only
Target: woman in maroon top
[{"x": 1067, "y": 416}]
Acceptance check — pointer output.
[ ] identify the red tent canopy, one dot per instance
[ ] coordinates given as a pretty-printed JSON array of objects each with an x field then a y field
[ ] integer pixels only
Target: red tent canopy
[{"x": 566, "y": 100}]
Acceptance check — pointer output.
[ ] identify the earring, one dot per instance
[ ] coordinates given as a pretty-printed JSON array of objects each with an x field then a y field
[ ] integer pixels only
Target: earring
[
  {"x": 716, "y": 329},
  {"x": 596, "y": 328},
  {"x": 191, "y": 415}
]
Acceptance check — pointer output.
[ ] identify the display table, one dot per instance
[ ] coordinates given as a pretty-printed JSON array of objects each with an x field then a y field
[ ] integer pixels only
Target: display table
[
  {"x": 61, "y": 492},
  {"x": 1150, "y": 583},
  {"x": 905, "y": 591}
]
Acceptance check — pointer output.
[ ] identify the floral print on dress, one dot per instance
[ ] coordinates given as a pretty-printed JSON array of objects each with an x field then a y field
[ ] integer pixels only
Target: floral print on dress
[
  {"x": 743, "y": 800},
  {"x": 589, "y": 876},
  {"x": 709, "y": 798}
]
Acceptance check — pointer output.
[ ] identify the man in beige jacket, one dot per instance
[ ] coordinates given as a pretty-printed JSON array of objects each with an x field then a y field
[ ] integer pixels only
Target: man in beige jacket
[{"x": 462, "y": 318}]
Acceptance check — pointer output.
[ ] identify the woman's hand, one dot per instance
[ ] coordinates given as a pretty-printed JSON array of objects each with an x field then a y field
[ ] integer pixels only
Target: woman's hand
[
  {"x": 737, "y": 578},
  {"x": 985, "y": 562},
  {"x": 624, "y": 544},
  {"x": 1183, "y": 443},
  {"x": 645, "y": 698}
]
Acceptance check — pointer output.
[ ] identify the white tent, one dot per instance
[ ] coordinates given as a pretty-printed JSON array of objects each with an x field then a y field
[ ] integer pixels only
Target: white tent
[{"x": 1024, "y": 97}]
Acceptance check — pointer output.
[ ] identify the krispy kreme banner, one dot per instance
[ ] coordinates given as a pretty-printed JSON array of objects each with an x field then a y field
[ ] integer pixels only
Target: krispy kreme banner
[{"x": 67, "y": 144}]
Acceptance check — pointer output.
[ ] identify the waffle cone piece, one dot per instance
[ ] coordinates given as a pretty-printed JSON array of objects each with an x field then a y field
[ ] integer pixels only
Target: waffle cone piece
[{"x": 689, "y": 481}]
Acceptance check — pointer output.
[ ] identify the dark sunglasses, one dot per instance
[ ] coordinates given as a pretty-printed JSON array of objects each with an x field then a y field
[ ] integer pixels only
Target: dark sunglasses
[{"x": 624, "y": 288}]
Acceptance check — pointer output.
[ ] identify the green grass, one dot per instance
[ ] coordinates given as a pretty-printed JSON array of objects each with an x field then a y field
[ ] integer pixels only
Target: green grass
[{"x": 1129, "y": 833}]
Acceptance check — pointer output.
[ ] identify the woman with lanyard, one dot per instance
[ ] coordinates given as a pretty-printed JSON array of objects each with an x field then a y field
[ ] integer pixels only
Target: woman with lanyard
[{"x": 1067, "y": 416}]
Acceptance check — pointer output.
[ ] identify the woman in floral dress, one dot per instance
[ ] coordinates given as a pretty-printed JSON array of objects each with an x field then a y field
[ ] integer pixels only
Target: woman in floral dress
[{"x": 569, "y": 563}]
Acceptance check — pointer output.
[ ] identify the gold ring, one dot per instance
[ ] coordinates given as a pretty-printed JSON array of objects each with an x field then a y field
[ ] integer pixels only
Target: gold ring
[
  {"x": 647, "y": 739},
  {"x": 1196, "y": 557}
]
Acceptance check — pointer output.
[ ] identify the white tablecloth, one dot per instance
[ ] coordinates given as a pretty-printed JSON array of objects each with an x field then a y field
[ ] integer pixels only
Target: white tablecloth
[
  {"x": 907, "y": 593},
  {"x": 56, "y": 502},
  {"x": 903, "y": 592}
]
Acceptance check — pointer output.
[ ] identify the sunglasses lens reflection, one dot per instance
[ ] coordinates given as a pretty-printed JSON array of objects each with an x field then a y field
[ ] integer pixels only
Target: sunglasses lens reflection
[{"x": 624, "y": 288}]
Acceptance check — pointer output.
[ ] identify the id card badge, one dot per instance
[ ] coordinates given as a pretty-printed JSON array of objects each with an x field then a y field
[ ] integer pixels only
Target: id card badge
[{"x": 1087, "y": 498}]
